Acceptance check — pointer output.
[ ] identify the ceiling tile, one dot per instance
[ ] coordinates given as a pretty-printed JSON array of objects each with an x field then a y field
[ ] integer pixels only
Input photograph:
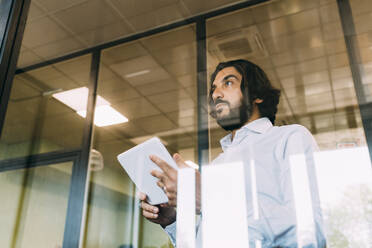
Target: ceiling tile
[
  {"x": 329, "y": 13},
  {"x": 87, "y": 15},
  {"x": 157, "y": 17},
  {"x": 196, "y": 7},
  {"x": 315, "y": 77},
  {"x": 236, "y": 20},
  {"x": 22, "y": 89},
  {"x": 118, "y": 95},
  {"x": 27, "y": 58},
  {"x": 146, "y": 67},
  {"x": 43, "y": 27},
  {"x": 332, "y": 31},
  {"x": 58, "y": 48},
  {"x": 340, "y": 72},
  {"x": 154, "y": 124},
  {"x": 124, "y": 52},
  {"x": 158, "y": 87},
  {"x": 182, "y": 67},
  {"x": 54, "y": 5},
  {"x": 45, "y": 73},
  {"x": 173, "y": 54},
  {"x": 136, "y": 108},
  {"x": 360, "y": 6},
  {"x": 129, "y": 129},
  {"x": 317, "y": 88},
  {"x": 341, "y": 83},
  {"x": 290, "y": 24},
  {"x": 335, "y": 46},
  {"x": 186, "y": 80},
  {"x": 106, "y": 33},
  {"x": 338, "y": 60},
  {"x": 170, "y": 97},
  {"x": 34, "y": 12},
  {"x": 281, "y": 8},
  {"x": 130, "y": 8},
  {"x": 171, "y": 39}
]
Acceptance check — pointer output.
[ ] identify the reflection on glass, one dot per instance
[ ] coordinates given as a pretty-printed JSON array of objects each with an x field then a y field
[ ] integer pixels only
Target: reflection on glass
[
  {"x": 34, "y": 205},
  {"x": 36, "y": 122},
  {"x": 152, "y": 82},
  {"x": 308, "y": 61}
]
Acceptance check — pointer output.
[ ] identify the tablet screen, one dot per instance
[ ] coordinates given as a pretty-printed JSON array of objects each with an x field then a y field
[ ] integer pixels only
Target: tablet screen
[{"x": 136, "y": 162}]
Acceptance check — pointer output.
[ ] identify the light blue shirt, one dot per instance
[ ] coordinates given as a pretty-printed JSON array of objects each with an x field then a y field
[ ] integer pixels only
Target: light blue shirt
[{"x": 270, "y": 147}]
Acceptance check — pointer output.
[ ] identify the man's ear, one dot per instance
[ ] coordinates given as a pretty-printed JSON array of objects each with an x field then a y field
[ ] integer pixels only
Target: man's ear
[{"x": 257, "y": 100}]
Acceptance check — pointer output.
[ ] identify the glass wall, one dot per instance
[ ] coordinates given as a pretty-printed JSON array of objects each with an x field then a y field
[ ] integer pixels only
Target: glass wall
[
  {"x": 152, "y": 83},
  {"x": 35, "y": 203},
  {"x": 39, "y": 118},
  {"x": 150, "y": 86},
  {"x": 301, "y": 47}
]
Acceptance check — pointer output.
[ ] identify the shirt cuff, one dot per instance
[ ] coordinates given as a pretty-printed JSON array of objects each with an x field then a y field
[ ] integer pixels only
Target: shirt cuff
[{"x": 171, "y": 231}]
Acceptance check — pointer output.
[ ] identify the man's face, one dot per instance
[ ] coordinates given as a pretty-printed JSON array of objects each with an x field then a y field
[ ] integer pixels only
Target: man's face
[{"x": 227, "y": 98}]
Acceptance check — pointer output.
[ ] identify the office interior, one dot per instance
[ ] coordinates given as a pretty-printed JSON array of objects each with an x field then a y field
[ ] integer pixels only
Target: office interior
[{"x": 148, "y": 64}]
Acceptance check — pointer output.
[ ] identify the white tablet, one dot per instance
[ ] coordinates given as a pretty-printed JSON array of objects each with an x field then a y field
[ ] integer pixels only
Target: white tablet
[{"x": 137, "y": 164}]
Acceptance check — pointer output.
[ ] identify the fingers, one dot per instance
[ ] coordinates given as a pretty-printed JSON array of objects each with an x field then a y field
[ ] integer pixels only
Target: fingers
[
  {"x": 149, "y": 215},
  {"x": 161, "y": 185},
  {"x": 149, "y": 211},
  {"x": 142, "y": 196},
  {"x": 179, "y": 161},
  {"x": 158, "y": 174},
  {"x": 162, "y": 164}
]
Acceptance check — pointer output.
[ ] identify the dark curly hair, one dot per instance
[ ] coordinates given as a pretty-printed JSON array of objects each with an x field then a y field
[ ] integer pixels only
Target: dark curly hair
[{"x": 255, "y": 84}]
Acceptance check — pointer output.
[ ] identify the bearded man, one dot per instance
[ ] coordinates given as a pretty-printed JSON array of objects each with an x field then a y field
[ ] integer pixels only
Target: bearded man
[{"x": 244, "y": 102}]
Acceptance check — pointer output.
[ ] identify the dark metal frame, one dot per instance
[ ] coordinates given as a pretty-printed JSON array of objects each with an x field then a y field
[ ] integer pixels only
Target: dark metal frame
[
  {"x": 80, "y": 174},
  {"x": 12, "y": 24},
  {"x": 356, "y": 68}
]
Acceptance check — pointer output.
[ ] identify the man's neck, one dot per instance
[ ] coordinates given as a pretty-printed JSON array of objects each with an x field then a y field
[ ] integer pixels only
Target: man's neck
[{"x": 252, "y": 118}]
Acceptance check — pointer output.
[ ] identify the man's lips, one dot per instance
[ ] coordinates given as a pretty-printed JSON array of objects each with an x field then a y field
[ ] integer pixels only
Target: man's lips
[{"x": 219, "y": 106}]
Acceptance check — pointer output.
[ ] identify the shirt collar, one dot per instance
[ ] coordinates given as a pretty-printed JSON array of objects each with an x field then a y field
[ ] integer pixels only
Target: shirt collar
[{"x": 260, "y": 126}]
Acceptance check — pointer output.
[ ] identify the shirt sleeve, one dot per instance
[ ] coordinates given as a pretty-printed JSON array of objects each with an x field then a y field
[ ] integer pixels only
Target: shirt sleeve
[
  {"x": 171, "y": 230},
  {"x": 299, "y": 150}
]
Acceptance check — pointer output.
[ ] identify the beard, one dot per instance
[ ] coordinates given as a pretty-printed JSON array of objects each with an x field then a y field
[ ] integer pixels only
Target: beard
[{"x": 236, "y": 117}]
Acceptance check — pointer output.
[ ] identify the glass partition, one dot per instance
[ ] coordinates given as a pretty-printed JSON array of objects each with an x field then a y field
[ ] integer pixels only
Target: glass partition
[
  {"x": 151, "y": 82},
  {"x": 43, "y": 109},
  {"x": 301, "y": 47},
  {"x": 35, "y": 203}
]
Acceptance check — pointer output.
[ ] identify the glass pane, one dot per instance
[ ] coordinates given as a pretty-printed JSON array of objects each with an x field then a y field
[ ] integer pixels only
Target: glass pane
[
  {"x": 39, "y": 121},
  {"x": 300, "y": 46},
  {"x": 35, "y": 203},
  {"x": 54, "y": 29},
  {"x": 152, "y": 82}
]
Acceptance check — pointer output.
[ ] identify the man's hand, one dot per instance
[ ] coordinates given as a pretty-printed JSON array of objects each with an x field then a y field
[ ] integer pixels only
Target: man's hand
[
  {"x": 162, "y": 214},
  {"x": 168, "y": 179}
]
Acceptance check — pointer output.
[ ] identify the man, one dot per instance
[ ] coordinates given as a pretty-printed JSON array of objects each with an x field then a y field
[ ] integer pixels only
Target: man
[{"x": 243, "y": 102}]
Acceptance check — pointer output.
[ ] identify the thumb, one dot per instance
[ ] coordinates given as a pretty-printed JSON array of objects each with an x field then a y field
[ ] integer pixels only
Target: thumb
[{"x": 179, "y": 161}]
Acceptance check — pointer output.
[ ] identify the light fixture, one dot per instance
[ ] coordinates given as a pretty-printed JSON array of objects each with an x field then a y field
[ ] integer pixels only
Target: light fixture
[
  {"x": 138, "y": 73},
  {"x": 104, "y": 114}
]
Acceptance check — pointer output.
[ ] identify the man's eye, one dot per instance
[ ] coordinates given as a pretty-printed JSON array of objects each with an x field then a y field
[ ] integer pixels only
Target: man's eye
[{"x": 228, "y": 83}]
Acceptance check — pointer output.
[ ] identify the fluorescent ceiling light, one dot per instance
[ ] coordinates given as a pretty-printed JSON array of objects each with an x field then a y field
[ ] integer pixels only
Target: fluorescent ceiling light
[
  {"x": 135, "y": 74},
  {"x": 77, "y": 99},
  {"x": 105, "y": 116},
  {"x": 192, "y": 164}
]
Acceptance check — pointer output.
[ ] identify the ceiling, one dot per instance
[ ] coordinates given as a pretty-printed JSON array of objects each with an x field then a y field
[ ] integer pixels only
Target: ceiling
[
  {"x": 55, "y": 28},
  {"x": 304, "y": 54}
]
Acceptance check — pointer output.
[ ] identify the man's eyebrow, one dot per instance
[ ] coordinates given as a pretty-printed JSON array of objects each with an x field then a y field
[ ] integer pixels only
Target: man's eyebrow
[{"x": 229, "y": 76}]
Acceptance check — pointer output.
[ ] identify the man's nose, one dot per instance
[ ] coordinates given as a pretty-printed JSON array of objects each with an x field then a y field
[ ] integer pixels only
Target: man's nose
[{"x": 217, "y": 94}]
